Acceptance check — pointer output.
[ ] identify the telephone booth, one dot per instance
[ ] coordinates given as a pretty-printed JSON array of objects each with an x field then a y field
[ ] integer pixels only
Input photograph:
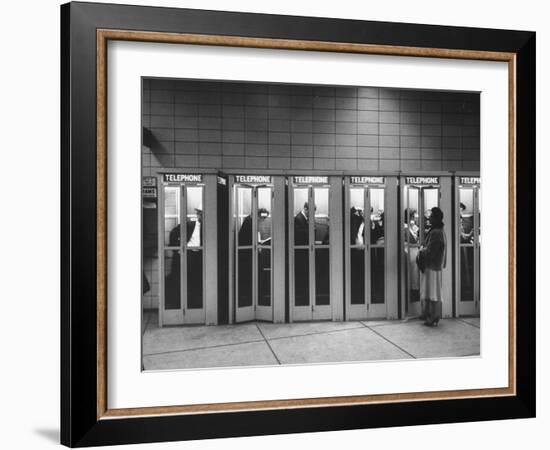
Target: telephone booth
[
  {"x": 257, "y": 240},
  {"x": 419, "y": 195},
  {"x": 468, "y": 244},
  {"x": 188, "y": 244},
  {"x": 371, "y": 267},
  {"x": 315, "y": 248}
]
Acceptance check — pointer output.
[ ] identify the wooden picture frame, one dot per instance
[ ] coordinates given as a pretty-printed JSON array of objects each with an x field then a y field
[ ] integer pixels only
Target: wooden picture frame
[{"x": 85, "y": 416}]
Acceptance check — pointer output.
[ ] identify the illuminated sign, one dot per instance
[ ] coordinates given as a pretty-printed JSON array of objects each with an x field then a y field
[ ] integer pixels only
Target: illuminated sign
[
  {"x": 253, "y": 179},
  {"x": 222, "y": 181},
  {"x": 422, "y": 180},
  {"x": 469, "y": 180},
  {"x": 182, "y": 177},
  {"x": 310, "y": 180},
  {"x": 367, "y": 180}
]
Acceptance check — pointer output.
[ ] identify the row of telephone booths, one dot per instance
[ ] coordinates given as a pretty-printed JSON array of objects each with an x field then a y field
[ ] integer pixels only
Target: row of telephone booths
[{"x": 286, "y": 248}]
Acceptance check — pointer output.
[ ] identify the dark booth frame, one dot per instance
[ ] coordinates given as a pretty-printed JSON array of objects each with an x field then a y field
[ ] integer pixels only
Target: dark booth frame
[{"x": 85, "y": 418}]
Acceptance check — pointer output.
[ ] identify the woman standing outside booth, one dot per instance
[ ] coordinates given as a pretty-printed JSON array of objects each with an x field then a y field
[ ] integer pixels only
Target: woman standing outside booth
[{"x": 432, "y": 258}]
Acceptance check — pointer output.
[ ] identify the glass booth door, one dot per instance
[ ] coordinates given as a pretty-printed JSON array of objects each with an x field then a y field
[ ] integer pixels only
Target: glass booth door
[
  {"x": 309, "y": 252},
  {"x": 365, "y": 252},
  {"x": 254, "y": 255},
  {"x": 469, "y": 243},
  {"x": 182, "y": 255},
  {"x": 418, "y": 201}
]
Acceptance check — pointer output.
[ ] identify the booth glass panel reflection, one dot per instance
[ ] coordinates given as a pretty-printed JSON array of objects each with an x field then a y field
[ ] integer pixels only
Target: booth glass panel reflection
[
  {"x": 412, "y": 231},
  {"x": 469, "y": 248},
  {"x": 244, "y": 246},
  {"x": 264, "y": 277},
  {"x": 301, "y": 216},
  {"x": 171, "y": 214},
  {"x": 357, "y": 244},
  {"x": 264, "y": 241},
  {"x": 244, "y": 216},
  {"x": 172, "y": 279},
  {"x": 182, "y": 245},
  {"x": 264, "y": 216},
  {"x": 478, "y": 243},
  {"x": 244, "y": 289},
  {"x": 301, "y": 246},
  {"x": 357, "y": 274},
  {"x": 301, "y": 277},
  {"x": 310, "y": 296},
  {"x": 377, "y": 241},
  {"x": 322, "y": 276},
  {"x": 172, "y": 263},
  {"x": 365, "y": 248},
  {"x": 321, "y": 246},
  {"x": 253, "y": 225},
  {"x": 321, "y": 222},
  {"x": 195, "y": 233},
  {"x": 377, "y": 285},
  {"x": 466, "y": 244}
]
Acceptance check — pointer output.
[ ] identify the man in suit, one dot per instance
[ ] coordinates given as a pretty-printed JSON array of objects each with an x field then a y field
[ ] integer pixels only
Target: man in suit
[
  {"x": 193, "y": 230},
  {"x": 301, "y": 226},
  {"x": 263, "y": 237},
  {"x": 263, "y": 228}
]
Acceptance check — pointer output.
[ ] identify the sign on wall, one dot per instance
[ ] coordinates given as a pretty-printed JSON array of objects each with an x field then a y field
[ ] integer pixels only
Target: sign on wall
[
  {"x": 310, "y": 180},
  {"x": 367, "y": 180},
  {"x": 470, "y": 180},
  {"x": 182, "y": 178},
  {"x": 253, "y": 179},
  {"x": 422, "y": 180},
  {"x": 149, "y": 181},
  {"x": 149, "y": 192}
]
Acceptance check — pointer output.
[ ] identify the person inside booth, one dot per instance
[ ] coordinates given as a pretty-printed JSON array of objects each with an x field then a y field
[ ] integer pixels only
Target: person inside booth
[
  {"x": 357, "y": 226},
  {"x": 194, "y": 235},
  {"x": 466, "y": 226},
  {"x": 377, "y": 232},
  {"x": 466, "y": 253},
  {"x": 244, "y": 238},
  {"x": 357, "y": 258},
  {"x": 301, "y": 226},
  {"x": 301, "y": 261},
  {"x": 193, "y": 232},
  {"x": 411, "y": 236},
  {"x": 263, "y": 229}
]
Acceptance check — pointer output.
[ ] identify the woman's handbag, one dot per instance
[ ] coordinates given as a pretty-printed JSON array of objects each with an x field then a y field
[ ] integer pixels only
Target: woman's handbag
[{"x": 421, "y": 261}]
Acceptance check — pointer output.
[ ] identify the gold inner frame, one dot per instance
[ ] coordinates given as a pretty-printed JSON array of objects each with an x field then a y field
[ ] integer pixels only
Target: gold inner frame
[{"x": 104, "y": 35}]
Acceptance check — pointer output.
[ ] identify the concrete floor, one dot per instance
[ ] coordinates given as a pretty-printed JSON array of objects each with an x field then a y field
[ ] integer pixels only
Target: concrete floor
[{"x": 260, "y": 343}]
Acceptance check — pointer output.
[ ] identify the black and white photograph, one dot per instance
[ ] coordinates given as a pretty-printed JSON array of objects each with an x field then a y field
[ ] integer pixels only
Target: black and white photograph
[
  {"x": 289, "y": 224},
  {"x": 275, "y": 225}
]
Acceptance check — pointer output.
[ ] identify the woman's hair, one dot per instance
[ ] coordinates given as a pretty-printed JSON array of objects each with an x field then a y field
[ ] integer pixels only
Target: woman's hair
[
  {"x": 408, "y": 213},
  {"x": 436, "y": 218}
]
